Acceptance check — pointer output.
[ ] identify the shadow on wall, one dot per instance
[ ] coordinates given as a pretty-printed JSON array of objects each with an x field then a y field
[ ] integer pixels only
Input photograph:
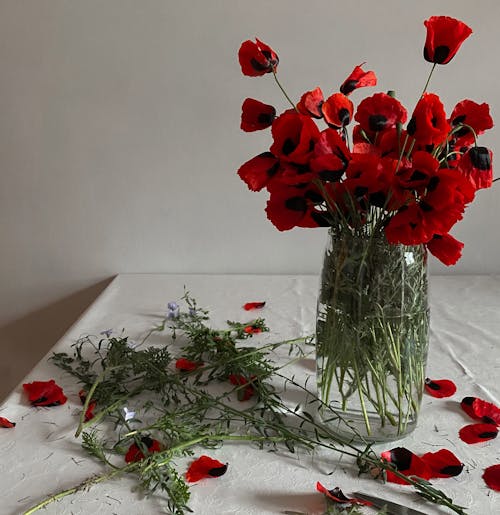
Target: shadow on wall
[{"x": 26, "y": 340}]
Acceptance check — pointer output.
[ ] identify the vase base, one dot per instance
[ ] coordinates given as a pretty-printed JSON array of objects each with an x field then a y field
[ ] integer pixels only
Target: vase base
[{"x": 354, "y": 427}]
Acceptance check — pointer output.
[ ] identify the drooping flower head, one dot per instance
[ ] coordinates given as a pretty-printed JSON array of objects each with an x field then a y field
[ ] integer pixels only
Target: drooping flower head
[
  {"x": 337, "y": 110},
  {"x": 445, "y": 35},
  {"x": 311, "y": 102},
  {"x": 428, "y": 124},
  {"x": 257, "y": 58}
]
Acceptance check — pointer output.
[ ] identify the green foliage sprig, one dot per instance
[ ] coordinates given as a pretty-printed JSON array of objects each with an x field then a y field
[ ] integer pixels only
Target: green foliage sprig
[{"x": 184, "y": 411}]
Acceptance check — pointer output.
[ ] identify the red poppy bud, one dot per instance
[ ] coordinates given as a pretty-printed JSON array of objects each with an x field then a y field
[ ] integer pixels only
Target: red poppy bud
[
  {"x": 445, "y": 35},
  {"x": 244, "y": 394},
  {"x": 491, "y": 477},
  {"x": 257, "y": 59},
  {"x": 205, "y": 467},
  {"x": 256, "y": 115},
  {"x": 358, "y": 79},
  {"x": 311, "y": 102},
  {"x": 337, "y": 110}
]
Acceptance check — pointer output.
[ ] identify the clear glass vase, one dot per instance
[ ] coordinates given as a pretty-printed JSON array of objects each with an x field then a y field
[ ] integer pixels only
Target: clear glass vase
[{"x": 372, "y": 333}]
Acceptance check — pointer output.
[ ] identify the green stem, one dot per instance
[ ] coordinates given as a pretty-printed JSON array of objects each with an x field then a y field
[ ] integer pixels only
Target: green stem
[{"x": 283, "y": 91}]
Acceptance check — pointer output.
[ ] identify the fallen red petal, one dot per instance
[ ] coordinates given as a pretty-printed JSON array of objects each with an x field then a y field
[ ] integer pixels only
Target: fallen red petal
[
  {"x": 252, "y": 329},
  {"x": 134, "y": 452},
  {"x": 205, "y": 467},
  {"x": 89, "y": 413},
  {"x": 407, "y": 463},
  {"x": 491, "y": 477},
  {"x": 83, "y": 396},
  {"x": 479, "y": 409},
  {"x": 475, "y": 433},
  {"x": 443, "y": 463},
  {"x": 244, "y": 394},
  {"x": 45, "y": 393},
  {"x": 7, "y": 424},
  {"x": 338, "y": 496},
  {"x": 253, "y": 305},
  {"x": 440, "y": 387},
  {"x": 185, "y": 365}
]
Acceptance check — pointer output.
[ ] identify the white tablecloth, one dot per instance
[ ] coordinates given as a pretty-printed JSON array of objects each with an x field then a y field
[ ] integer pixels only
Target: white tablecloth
[{"x": 40, "y": 455}]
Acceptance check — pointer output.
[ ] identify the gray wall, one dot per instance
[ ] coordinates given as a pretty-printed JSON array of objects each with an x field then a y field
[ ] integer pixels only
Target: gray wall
[{"x": 119, "y": 138}]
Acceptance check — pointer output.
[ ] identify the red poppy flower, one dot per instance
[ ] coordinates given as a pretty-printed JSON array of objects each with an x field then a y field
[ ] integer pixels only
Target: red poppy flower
[
  {"x": 476, "y": 164},
  {"x": 407, "y": 463},
  {"x": 428, "y": 124},
  {"x": 134, "y": 453},
  {"x": 408, "y": 226},
  {"x": 337, "y": 110},
  {"x": 336, "y": 495},
  {"x": 479, "y": 409},
  {"x": 416, "y": 175},
  {"x": 249, "y": 306},
  {"x": 440, "y": 387},
  {"x": 257, "y": 172},
  {"x": 44, "y": 393},
  {"x": 7, "y": 424},
  {"x": 205, "y": 467},
  {"x": 445, "y": 35},
  {"x": 475, "y": 433},
  {"x": 491, "y": 477},
  {"x": 185, "y": 365},
  {"x": 311, "y": 102},
  {"x": 380, "y": 112},
  {"x": 256, "y": 115},
  {"x": 290, "y": 207},
  {"x": 358, "y": 79},
  {"x": 477, "y": 116},
  {"x": 243, "y": 393},
  {"x": 257, "y": 59},
  {"x": 448, "y": 250},
  {"x": 294, "y": 137},
  {"x": 443, "y": 463},
  {"x": 331, "y": 156}
]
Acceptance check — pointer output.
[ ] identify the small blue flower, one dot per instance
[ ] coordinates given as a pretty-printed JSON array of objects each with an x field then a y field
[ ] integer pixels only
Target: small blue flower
[
  {"x": 192, "y": 311},
  {"x": 128, "y": 414},
  {"x": 172, "y": 306},
  {"x": 107, "y": 333}
]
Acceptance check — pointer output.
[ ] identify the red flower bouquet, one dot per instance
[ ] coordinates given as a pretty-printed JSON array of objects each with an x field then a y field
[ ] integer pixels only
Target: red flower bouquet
[
  {"x": 390, "y": 189},
  {"x": 410, "y": 174}
]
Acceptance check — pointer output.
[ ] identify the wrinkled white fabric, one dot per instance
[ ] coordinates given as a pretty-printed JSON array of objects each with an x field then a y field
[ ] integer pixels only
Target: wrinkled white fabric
[{"x": 41, "y": 456}]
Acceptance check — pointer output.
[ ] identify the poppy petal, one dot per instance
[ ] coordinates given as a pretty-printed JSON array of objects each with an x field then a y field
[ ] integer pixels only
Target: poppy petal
[
  {"x": 407, "y": 463},
  {"x": 491, "y": 477},
  {"x": 440, "y": 387},
  {"x": 336, "y": 495},
  {"x": 134, "y": 452},
  {"x": 186, "y": 365},
  {"x": 44, "y": 393},
  {"x": 479, "y": 409},
  {"x": 6, "y": 423},
  {"x": 205, "y": 467},
  {"x": 253, "y": 305},
  {"x": 475, "y": 433},
  {"x": 443, "y": 463}
]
